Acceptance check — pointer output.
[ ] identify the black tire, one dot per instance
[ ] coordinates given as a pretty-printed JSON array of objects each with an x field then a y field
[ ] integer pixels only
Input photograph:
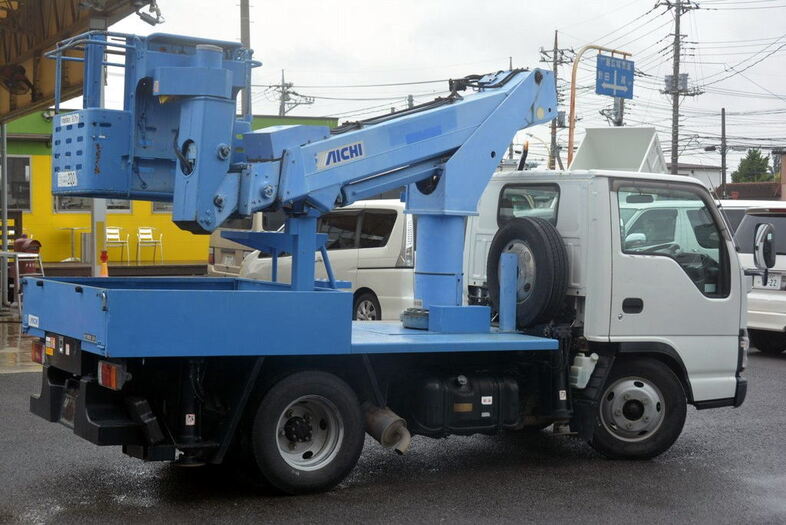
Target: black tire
[
  {"x": 643, "y": 440},
  {"x": 266, "y": 434},
  {"x": 770, "y": 343},
  {"x": 369, "y": 304},
  {"x": 544, "y": 299}
]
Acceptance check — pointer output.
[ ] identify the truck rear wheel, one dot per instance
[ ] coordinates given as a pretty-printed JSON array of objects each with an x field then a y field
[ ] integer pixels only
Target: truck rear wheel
[
  {"x": 308, "y": 432},
  {"x": 543, "y": 269},
  {"x": 641, "y": 412}
]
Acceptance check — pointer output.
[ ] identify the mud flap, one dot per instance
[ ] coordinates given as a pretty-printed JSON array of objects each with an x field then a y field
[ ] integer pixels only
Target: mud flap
[{"x": 585, "y": 401}]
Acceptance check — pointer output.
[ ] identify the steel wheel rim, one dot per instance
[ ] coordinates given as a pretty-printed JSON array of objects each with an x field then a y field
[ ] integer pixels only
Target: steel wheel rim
[
  {"x": 632, "y": 409},
  {"x": 366, "y": 311},
  {"x": 309, "y": 433},
  {"x": 525, "y": 282}
]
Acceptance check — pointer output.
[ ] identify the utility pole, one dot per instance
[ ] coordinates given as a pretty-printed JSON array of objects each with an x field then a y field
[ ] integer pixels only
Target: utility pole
[
  {"x": 283, "y": 96},
  {"x": 510, "y": 146},
  {"x": 289, "y": 99},
  {"x": 619, "y": 111},
  {"x": 557, "y": 58},
  {"x": 554, "y": 65},
  {"x": 675, "y": 93},
  {"x": 245, "y": 40},
  {"x": 675, "y": 86},
  {"x": 723, "y": 153}
]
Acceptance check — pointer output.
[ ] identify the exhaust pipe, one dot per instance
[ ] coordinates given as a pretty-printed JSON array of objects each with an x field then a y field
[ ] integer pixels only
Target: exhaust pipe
[{"x": 387, "y": 428}]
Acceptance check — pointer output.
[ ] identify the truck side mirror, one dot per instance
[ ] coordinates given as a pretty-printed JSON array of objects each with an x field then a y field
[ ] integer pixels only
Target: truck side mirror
[
  {"x": 764, "y": 246},
  {"x": 635, "y": 239}
]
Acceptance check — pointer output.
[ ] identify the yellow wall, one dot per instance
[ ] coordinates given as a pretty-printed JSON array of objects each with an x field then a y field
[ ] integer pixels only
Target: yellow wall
[{"x": 44, "y": 224}]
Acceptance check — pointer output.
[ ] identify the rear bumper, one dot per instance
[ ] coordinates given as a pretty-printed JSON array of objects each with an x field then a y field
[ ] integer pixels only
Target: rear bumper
[
  {"x": 770, "y": 321},
  {"x": 767, "y": 310},
  {"x": 99, "y": 415}
]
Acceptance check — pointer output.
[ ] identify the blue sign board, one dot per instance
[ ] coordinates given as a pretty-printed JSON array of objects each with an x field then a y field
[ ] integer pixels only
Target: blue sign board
[{"x": 614, "y": 77}]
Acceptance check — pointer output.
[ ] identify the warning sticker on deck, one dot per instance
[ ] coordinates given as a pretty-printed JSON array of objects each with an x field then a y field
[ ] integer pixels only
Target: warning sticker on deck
[{"x": 66, "y": 179}]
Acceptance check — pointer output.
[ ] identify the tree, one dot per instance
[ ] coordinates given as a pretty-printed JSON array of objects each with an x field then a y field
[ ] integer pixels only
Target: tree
[{"x": 753, "y": 168}]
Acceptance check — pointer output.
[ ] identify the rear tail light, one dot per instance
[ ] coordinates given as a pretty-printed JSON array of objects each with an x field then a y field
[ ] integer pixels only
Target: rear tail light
[
  {"x": 211, "y": 256},
  {"x": 112, "y": 375},
  {"x": 406, "y": 258},
  {"x": 37, "y": 352}
]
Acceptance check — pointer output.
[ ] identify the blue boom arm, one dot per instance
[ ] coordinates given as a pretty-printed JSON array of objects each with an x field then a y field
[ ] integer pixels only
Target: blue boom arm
[{"x": 178, "y": 139}]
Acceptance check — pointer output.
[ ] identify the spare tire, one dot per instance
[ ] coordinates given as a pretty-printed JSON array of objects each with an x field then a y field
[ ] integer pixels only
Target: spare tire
[{"x": 543, "y": 269}]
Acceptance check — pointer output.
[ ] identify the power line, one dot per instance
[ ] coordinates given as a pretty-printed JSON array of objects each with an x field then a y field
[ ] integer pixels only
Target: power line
[{"x": 329, "y": 86}]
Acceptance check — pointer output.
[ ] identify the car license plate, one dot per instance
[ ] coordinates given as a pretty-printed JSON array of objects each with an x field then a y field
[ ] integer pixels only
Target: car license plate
[
  {"x": 773, "y": 282},
  {"x": 229, "y": 260}
]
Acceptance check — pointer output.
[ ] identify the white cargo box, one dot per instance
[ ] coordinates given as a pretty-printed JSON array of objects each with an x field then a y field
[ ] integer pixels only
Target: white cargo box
[{"x": 620, "y": 149}]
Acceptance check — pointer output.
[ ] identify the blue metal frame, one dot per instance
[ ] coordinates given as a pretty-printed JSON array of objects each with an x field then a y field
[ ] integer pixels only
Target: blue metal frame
[
  {"x": 178, "y": 138},
  {"x": 197, "y": 316}
]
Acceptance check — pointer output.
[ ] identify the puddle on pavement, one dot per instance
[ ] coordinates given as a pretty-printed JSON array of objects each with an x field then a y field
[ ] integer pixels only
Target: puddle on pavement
[{"x": 15, "y": 349}]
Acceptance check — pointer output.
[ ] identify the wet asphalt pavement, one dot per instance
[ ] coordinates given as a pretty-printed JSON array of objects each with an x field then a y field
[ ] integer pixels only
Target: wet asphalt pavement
[{"x": 729, "y": 466}]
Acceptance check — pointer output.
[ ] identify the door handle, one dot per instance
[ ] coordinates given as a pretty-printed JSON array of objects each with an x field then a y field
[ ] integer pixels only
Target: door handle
[{"x": 632, "y": 305}]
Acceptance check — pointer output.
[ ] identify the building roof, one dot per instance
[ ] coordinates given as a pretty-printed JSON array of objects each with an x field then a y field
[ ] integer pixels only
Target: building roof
[
  {"x": 688, "y": 166},
  {"x": 751, "y": 190}
]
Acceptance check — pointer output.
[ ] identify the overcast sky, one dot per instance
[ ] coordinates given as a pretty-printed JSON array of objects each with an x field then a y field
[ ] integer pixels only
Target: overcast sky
[{"x": 735, "y": 51}]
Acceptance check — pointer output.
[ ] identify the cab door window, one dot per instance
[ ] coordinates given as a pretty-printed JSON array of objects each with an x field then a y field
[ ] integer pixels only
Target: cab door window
[
  {"x": 656, "y": 226},
  {"x": 678, "y": 223},
  {"x": 528, "y": 200}
]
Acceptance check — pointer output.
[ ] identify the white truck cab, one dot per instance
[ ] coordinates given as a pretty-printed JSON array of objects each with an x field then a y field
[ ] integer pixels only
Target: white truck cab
[{"x": 652, "y": 268}]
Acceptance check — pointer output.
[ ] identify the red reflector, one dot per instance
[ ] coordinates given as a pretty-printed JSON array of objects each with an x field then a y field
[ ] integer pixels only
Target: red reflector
[
  {"x": 37, "y": 352},
  {"x": 110, "y": 375}
]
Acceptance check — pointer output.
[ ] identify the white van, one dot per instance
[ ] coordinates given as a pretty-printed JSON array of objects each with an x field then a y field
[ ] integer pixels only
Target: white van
[
  {"x": 767, "y": 299},
  {"x": 371, "y": 245}
]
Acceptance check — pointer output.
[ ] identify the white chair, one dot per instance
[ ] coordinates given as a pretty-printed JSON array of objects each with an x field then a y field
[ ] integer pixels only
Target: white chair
[
  {"x": 145, "y": 238},
  {"x": 114, "y": 239}
]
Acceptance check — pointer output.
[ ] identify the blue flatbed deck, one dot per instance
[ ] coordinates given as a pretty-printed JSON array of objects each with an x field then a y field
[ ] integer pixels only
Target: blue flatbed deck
[
  {"x": 391, "y": 337},
  {"x": 178, "y": 317}
]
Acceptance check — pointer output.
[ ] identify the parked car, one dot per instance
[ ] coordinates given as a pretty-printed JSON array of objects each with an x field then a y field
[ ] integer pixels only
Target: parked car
[
  {"x": 734, "y": 210},
  {"x": 767, "y": 299},
  {"x": 371, "y": 245}
]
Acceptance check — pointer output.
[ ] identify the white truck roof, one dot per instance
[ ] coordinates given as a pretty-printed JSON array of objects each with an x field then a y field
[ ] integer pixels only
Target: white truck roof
[{"x": 553, "y": 176}]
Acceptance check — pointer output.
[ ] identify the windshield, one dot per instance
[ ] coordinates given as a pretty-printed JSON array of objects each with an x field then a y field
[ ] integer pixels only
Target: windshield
[{"x": 747, "y": 230}]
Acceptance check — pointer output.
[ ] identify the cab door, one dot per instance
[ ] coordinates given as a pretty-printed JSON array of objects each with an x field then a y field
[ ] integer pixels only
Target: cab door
[{"x": 677, "y": 292}]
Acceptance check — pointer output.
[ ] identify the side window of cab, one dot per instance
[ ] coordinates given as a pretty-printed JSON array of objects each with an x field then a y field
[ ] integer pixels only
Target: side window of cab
[
  {"x": 678, "y": 222},
  {"x": 528, "y": 200}
]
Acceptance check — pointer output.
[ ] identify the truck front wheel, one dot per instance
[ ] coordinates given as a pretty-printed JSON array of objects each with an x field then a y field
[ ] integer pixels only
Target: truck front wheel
[
  {"x": 308, "y": 432},
  {"x": 641, "y": 412}
]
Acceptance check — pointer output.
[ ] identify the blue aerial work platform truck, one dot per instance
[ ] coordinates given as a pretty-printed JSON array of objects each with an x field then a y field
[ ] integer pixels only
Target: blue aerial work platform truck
[{"x": 208, "y": 370}]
